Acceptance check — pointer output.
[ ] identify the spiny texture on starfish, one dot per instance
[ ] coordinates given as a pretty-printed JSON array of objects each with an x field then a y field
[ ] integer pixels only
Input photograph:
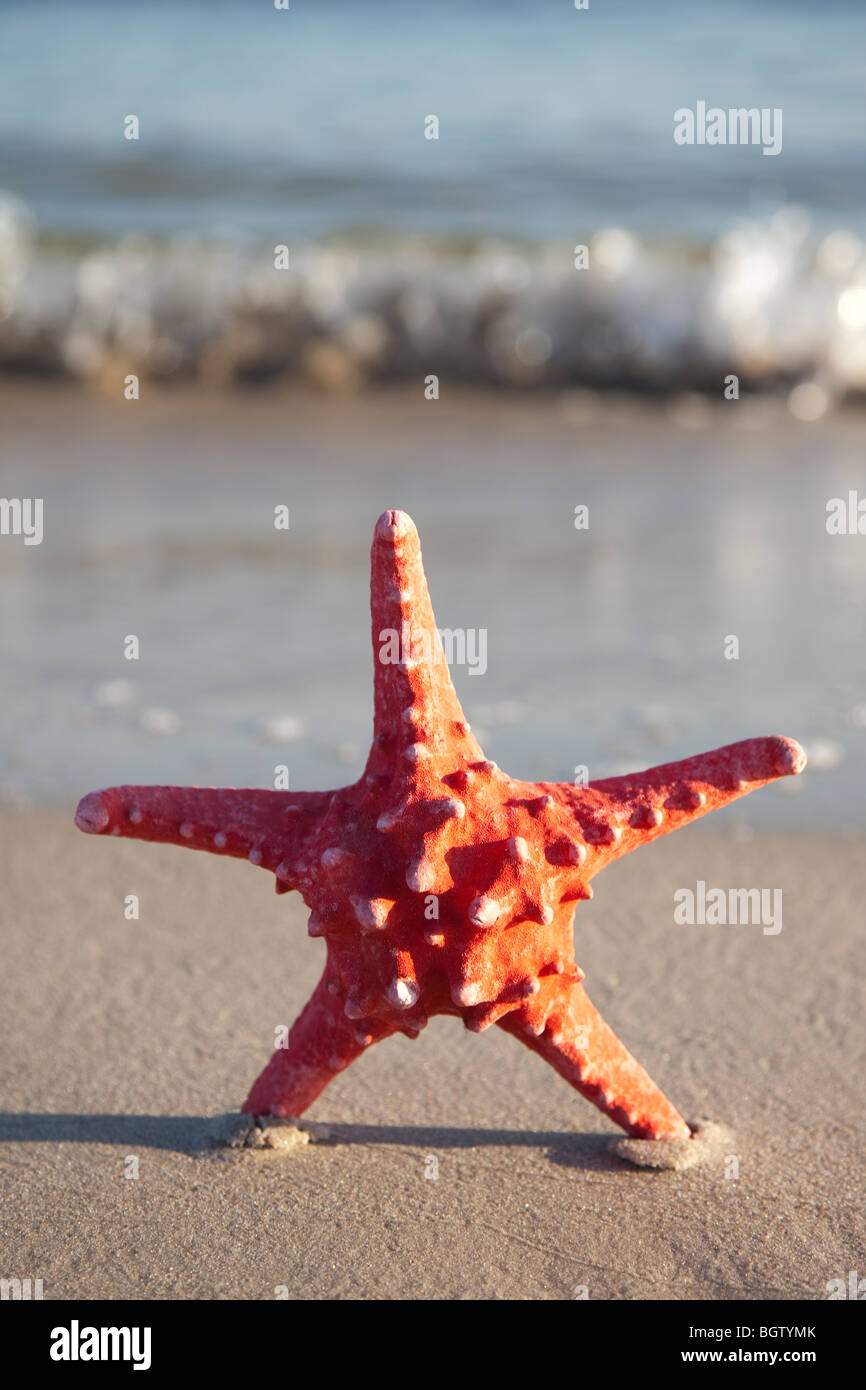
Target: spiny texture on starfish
[{"x": 439, "y": 884}]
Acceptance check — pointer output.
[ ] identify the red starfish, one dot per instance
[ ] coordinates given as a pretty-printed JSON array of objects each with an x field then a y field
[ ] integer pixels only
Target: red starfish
[{"x": 440, "y": 885}]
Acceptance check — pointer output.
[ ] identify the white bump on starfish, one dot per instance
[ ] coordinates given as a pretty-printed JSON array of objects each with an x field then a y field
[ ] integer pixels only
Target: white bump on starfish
[
  {"x": 434, "y": 938},
  {"x": 482, "y": 1023},
  {"x": 518, "y": 849},
  {"x": 362, "y": 1037},
  {"x": 416, "y": 752},
  {"x": 187, "y": 830},
  {"x": 484, "y": 911},
  {"x": 371, "y": 913},
  {"x": 316, "y": 924},
  {"x": 220, "y": 839},
  {"x": 602, "y": 834},
  {"x": 421, "y": 876},
  {"x": 389, "y": 819},
  {"x": 336, "y": 858},
  {"x": 544, "y": 914},
  {"x": 447, "y": 808},
  {"x": 486, "y": 766},
  {"x": 575, "y": 853},
  {"x": 255, "y": 856},
  {"x": 466, "y": 994},
  {"x": 529, "y": 987},
  {"x": 402, "y": 992},
  {"x": 352, "y": 1009},
  {"x": 534, "y": 1026},
  {"x": 135, "y": 816},
  {"x": 687, "y": 799},
  {"x": 543, "y": 803}
]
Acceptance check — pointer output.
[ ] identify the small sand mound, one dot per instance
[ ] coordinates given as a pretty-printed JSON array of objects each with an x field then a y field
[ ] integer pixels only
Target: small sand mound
[
  {"x": 707, "y": 1144},
  {"x": 236, "y": 1131}
]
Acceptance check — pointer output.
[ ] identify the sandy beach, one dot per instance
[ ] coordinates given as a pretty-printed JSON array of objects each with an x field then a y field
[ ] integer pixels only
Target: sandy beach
[
  {"x": 456, "y": 1166},
  {"x": 126, "y": 1039}
]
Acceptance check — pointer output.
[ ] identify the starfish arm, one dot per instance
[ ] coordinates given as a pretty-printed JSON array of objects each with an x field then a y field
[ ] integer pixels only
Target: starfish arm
[
  {"x": 410, "y": 669},
  {"x": 564, "y": 1027},
  {"x": 269, "y": 828},
  {"x": 322, "y": 1043},
  {"x": 619, "y": 814}
]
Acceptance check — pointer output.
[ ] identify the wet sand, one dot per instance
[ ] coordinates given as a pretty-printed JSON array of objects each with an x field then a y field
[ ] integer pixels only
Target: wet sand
[
  {"x": 605, "y": 647},
  {"x": 126, "y": 1039}
]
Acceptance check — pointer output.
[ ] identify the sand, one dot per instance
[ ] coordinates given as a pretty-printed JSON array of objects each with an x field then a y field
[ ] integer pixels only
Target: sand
[{"x": 455, "y": 1166}]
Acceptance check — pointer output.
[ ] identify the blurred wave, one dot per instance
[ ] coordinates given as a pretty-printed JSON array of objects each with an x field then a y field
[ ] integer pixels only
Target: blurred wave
[
  {"x": 443, "y": 257},
  {"x": 770, "y": 301}
]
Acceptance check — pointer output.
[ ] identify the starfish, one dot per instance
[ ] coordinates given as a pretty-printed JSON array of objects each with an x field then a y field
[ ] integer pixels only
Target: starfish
[{"x": 439, "y": 884}]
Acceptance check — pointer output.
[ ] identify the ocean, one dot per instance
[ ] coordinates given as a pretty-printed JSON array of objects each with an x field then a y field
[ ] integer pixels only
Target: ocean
[{"x": 309, "y": 122}]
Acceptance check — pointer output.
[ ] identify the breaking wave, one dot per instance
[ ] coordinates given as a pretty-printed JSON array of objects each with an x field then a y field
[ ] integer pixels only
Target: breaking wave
[{"x": 769, "y": 301}]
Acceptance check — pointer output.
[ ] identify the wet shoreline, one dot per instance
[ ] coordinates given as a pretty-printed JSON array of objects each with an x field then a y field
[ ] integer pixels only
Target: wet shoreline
[{"x": 605, "y": 647}]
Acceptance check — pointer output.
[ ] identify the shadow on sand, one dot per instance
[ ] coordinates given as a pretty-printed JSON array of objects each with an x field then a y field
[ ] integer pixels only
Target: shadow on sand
[{"x": 197, "y": 1135}]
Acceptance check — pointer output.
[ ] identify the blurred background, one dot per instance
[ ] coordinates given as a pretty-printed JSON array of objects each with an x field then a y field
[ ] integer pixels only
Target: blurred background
[{"x": 305, "y": 387}]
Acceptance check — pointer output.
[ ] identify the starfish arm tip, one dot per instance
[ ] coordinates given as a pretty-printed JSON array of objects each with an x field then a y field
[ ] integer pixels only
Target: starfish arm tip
[
  {"x": 791, "y": 757},
  {"x": 392, "y": 525},
  {"x": 92, "y": 814}
]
